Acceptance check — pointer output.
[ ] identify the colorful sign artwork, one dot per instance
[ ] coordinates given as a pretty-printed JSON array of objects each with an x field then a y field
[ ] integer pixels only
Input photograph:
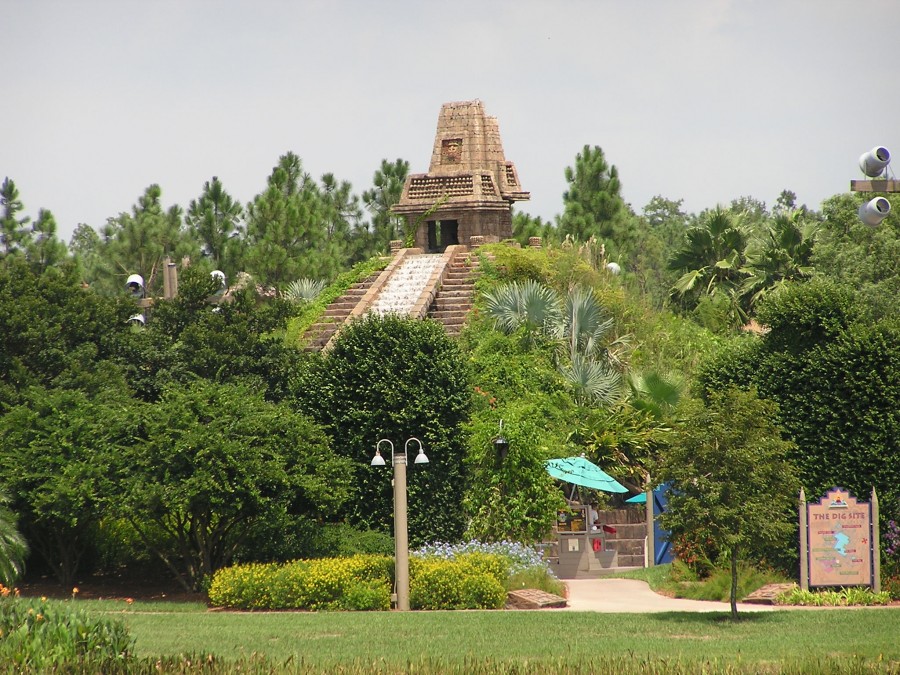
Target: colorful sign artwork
[{"x": 840, "y": 536}]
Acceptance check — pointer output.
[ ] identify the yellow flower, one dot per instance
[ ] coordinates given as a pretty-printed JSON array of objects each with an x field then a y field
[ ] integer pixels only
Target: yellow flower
[{"x": 75, "y": 591}]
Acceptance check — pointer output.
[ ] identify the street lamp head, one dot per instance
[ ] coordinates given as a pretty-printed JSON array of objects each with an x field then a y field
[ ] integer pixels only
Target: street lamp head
[
  {"x": 420, "y": 458},
  {"x": 501, "y": 447},
  {"x": 378, "y": 460}
]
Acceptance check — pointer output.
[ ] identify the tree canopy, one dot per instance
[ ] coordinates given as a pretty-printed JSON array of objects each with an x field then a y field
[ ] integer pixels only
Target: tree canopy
[{"x": 730, "y": 483}]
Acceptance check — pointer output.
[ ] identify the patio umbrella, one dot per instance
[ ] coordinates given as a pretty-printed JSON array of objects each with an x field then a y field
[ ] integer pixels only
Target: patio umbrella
[
  {"x": 638, "y": 499},
  {"x": 580, "y": 471}
]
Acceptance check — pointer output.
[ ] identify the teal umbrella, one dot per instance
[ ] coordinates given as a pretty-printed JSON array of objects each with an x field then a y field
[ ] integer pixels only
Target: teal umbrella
[
  {"x": 580, "y": 471},
  {"x": 638, "y": 499}
]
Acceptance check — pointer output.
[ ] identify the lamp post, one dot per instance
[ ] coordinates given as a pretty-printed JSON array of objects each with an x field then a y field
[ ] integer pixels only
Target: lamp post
[
  {"x": 501, "y": 446},
  {"x": 401, "y": 532}
]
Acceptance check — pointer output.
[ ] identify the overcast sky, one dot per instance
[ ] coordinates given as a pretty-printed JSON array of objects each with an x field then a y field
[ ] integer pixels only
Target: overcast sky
[{"x": 701, "y": 100}]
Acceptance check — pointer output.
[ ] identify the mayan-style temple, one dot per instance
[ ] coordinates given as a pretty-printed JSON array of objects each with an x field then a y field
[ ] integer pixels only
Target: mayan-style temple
[{"x": 470, "y": 187}]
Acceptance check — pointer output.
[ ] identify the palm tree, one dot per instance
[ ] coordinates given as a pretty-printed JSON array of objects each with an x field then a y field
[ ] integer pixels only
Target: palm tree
[
  {"x": 781, "y": 252},
  {"x": 13, "y": 547},
  {"x": 578, "y": 324},
  {"x": 593, "y": 381},
  {"x": 529, "y": 304},
  {"x": 656, "y": 393},
  {"x": 711, "y": 259}
]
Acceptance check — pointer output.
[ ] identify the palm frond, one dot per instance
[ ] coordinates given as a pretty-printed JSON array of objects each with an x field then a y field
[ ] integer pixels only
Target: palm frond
[
  {"x": 303, "y": 290},
  {"x": 515, "y": 304},
  {"x": 13, "y": 547},
  {"x": 584, "y": 324},
  {"x": 593, "y": 381}
]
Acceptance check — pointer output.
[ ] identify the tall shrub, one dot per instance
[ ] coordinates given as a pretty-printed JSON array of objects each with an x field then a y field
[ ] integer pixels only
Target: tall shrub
[{"x": 396, "y": 378}]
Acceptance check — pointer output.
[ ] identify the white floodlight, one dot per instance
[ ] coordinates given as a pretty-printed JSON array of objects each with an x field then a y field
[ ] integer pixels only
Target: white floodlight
[
  {"x": 875, "y": 161},
  {"x": 874, "y": 211}
]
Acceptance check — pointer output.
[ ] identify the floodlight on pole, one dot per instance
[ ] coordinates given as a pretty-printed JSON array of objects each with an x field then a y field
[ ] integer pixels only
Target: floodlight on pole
[{"x": 874, "y": 162}]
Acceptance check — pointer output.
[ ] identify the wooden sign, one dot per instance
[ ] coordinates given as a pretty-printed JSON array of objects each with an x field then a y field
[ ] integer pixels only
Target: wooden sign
[{"x": 839, "y": 538}]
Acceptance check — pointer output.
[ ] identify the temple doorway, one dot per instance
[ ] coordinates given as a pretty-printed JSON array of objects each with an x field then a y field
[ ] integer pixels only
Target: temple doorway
[{"x": 441, "y": 234}]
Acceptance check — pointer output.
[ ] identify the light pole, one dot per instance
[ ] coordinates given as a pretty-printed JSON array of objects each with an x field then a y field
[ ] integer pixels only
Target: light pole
[{"x": 401, "y": 533}]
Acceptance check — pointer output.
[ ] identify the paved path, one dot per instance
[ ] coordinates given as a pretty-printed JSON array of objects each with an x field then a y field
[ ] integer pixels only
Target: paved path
[{"x": 635, "y": 597}]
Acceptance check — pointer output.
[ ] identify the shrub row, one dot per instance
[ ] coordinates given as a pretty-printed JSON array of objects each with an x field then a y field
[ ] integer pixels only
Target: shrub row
[
  {"x": 360, "y": 582},
  {"x": 37, "y": 635},
  {"x": 471, "y": 580}
]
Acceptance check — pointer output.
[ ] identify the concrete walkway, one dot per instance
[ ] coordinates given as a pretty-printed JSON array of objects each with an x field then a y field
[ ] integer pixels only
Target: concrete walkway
[{"x": 635, "y": 597}]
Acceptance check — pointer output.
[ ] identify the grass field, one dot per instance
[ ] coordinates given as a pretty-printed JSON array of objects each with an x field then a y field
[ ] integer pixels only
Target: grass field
[{"x": 800, "y": 641}]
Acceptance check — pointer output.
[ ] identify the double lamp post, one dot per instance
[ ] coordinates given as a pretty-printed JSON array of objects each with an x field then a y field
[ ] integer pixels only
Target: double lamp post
[{"x": 401, "y": 532}]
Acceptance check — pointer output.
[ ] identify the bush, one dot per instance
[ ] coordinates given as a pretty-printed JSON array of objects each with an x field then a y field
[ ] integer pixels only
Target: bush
[
  {"x": 891, "y": 586},
  {"x": 437, "y": 583},
  {"x": 40, "y": 636},
  {"x": 717, "y": 586},
  {"x": 285, "y": 537},
  {"x": 839, "y": 598},
  {"x": 323, "y": 584},
  {"x": 482, "y": 591},
  {"x": 367, "y": 596},
  {"x": 514, "y": 564}
]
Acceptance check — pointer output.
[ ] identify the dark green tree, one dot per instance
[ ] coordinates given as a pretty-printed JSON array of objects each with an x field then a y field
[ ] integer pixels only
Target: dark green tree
[
  {"x": 210, "y": 465},
  {"x": 44, "y": 249},
  {"x": 387, "y": 188},
  {"x": 52, "y": 458},
  {"x": 287, "y": 237},
  {"x": 346, "y": 235},
  {"x": 731, "y": 481},
  {"x": 593, "y": 206},
  {"x": 396, "y": 378},
  {"x": 55, "y": 333},
  {"x": 14, "y": 232},
  {"x": 190, "y": 337},
  {"x": 786, "y": 202},
  {"x": 835, "y": 379},
  {"x": 215, "y": 222},
  {"x": 139, "y": 242},
  {"x": 526, "y": 226}
]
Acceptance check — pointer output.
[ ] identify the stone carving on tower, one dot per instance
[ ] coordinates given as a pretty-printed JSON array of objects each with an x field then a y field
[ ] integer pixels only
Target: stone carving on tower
[{"x": 470, "y": 187}]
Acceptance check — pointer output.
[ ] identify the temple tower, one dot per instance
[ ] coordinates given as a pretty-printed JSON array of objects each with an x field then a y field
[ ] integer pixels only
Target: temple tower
[{"x": 469, "y": 189}]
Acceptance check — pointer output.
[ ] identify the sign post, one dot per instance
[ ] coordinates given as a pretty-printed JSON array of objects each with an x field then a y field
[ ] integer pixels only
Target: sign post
[{"x": 839, "y": 541}]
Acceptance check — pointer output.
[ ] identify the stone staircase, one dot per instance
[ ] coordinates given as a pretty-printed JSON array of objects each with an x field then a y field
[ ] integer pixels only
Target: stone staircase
[
  {"x": 453, "y": 302},
  {"x": 336, "y": 314},
  {"x": 445, "y": 296}
]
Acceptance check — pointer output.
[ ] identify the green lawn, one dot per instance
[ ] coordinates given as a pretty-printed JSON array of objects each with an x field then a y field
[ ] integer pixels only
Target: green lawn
[{"x": 812, "y": 639}]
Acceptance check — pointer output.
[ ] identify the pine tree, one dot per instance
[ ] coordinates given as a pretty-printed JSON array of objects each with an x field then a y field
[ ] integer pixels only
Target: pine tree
[{"x": 14, "y": 232}]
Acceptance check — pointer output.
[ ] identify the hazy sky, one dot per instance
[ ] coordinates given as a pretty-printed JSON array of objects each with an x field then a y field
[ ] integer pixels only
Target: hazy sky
[{"x": 704, "y": 100}]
